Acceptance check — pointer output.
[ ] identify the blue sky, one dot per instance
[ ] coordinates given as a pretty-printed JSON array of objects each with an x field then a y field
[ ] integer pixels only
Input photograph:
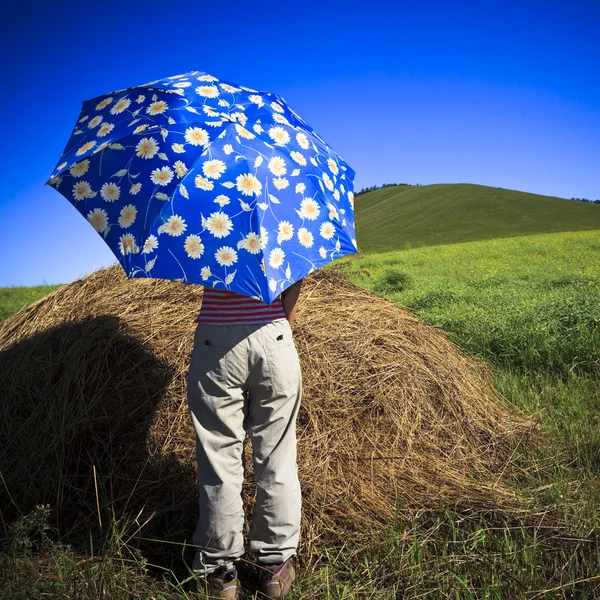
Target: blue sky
[{"x": 500, "y": 94}]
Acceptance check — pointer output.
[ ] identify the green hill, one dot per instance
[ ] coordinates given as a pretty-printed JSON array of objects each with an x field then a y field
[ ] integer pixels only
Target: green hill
[{"x": 392, "y": 217}]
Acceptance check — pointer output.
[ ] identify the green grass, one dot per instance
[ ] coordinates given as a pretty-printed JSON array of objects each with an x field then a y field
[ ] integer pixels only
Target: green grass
[
  {"x": 452, "y": 553},
  {"x": 529, "y": 305},
  {"x": 15, "y": 298},
  {"x": 398, "y": 217},
  {"x": 527, "y": 302}
]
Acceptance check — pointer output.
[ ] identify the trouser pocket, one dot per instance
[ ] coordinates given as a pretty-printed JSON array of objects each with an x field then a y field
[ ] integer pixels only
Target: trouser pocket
[
  {"x": 283, "y": 364},
  {"x": 210, "y": 358}
]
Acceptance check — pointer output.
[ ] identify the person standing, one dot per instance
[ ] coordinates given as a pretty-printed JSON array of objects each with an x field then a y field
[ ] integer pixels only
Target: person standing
[{"x": 245, "y": 376}]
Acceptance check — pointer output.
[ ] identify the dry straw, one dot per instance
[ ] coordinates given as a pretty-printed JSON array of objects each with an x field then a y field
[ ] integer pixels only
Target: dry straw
[{"x": 94, "y": 416}]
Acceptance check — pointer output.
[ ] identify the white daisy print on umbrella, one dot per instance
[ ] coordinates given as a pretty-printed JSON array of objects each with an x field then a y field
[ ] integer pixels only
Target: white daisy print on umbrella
[
  {"x": 127, "y": 244},
  {"x": 327, "y": 230},
  {"x": 285, "y": 231},
  {"x": 264, "y": 238},
  {"x": 127, "y": 216},
  {"x": 277, "y": 166},
  {"x": 180, "y": 168},
  {"x": 248, "y": 185},
  {"x": 95, "y": 121},
  {"x": 226, "y": 256},
  {"x": 281, "y": 183},
  {"x": 147, "y": 148},
  {"x": 333, "y": 213},
  {"x": 279, "y": 135},
  {"x": 214, "y": 168},
  {"x": 98, "y": 219},
  {"x": 305, "y": 237},
  {"x": 243, "y": 132},
  {"x": 87, "y": 146},
  {"x": 222, "y": 200},
  {"x": 328, "y": 182},
  {"x": 302, "y": 141},
  {"x": 194, "y": 248},
  {"x": 110, "y": 192},
  {"x": 299, "y": 158},
  {"x": 309, "y": 209},
  {"x": 332, "y": 166},
  {"x": 196, "y": 136},
  {"x": 219, "y": 224},
  {"x": 276, "y": 258},
  {"x": 104, "y": 103},
  {"x": 80, "y": 168},
  {"x": 150, "y": 244},
  {"x": 157, "y": 108},
  {"x": 203, "y": 183},
  {"x": 120, "y": 106},
  {"x": 162, "y": 176},
  {"x": 209, "y": 111},
  {"x": 174, "y": 226},
  {"x": 207, "y": 91},
  {"x": 280, "y": 119},
  {"x": 105, "y": 129},
  {"x": 251, "y": 243}
]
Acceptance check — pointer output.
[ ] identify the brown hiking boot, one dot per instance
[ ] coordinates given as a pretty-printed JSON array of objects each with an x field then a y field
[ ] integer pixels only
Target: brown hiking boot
[
  {"x": 276, "y": 580},
  {"x": 222, "y": 583}
]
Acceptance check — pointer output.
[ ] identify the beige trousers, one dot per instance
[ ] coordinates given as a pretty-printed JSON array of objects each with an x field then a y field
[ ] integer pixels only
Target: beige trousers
[{"x": 245, "y": 378}]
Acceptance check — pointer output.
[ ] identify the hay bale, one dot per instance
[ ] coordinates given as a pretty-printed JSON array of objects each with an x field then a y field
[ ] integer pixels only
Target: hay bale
[{"x": 95, "y": 422}]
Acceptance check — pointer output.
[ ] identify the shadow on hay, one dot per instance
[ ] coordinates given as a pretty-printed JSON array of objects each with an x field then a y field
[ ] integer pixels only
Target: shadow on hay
[{"x": 85, "y": 395}]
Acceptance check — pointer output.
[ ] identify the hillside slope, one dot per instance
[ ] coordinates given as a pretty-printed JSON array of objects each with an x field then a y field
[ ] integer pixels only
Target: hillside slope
[{"x": 389, "y": 218}]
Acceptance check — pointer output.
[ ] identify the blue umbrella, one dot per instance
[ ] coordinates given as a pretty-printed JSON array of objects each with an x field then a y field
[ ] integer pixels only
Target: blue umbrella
[{"x": 195, "y": 179}]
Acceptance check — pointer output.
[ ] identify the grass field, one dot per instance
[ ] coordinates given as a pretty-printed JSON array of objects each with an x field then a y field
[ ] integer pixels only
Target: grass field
[
  {"x": 527, "y": 304},
  {"x": 13, "y": 299},
  {"x": 397, "y": 217}
]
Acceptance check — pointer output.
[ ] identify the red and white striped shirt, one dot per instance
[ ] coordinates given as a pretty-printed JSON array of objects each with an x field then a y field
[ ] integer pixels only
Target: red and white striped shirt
[{"x": 229, "y": 308}]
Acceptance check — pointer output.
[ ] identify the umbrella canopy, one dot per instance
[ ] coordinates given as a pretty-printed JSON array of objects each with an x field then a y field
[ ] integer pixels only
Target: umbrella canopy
[{"x": 195, "y": 179}]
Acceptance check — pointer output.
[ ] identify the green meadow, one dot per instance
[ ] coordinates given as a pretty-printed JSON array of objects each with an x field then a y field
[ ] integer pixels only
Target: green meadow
[
  {"x": 397, "y": 217},
  {"x": 15, "y": 298},
  {"x": 513, "y": 278}
]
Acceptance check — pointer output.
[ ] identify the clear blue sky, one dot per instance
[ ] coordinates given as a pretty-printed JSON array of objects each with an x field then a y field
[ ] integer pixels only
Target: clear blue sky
[{"x": 501, "y": 94}]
